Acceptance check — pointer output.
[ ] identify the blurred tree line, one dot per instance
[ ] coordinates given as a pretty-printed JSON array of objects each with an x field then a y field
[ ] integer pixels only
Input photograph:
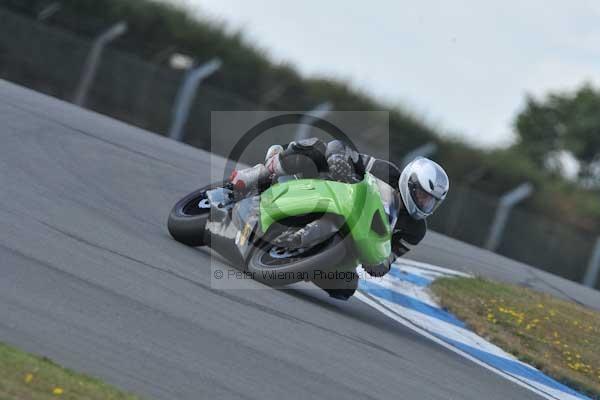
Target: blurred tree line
[{"x": 561, "y": 124}]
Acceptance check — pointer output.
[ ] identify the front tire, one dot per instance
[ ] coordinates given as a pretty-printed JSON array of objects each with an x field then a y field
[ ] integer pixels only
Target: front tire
[
  {"x": 276, "y": 266},
  {"x": 188, "y": 217}
]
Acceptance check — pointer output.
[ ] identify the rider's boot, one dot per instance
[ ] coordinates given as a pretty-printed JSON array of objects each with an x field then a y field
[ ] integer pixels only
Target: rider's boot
[
  {"x": 249, "y": 181},
  {"x": 255, "y": 179}
]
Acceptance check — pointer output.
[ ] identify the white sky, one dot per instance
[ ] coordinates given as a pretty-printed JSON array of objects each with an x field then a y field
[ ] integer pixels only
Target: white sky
[{"x": 463, "y": 65}]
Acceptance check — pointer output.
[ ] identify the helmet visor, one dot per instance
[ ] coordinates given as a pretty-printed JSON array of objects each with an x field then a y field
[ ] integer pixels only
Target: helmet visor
[{"x": 424, "y": 200}]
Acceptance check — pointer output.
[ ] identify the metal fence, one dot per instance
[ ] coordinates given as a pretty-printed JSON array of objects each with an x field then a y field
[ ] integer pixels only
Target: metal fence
[
  {"x": 51, "y": 60},
  {"x": 564, "y": 250}
]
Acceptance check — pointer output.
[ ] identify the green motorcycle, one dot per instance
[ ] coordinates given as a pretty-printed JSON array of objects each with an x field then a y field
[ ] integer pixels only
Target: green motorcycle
[{"x": 297, "y": 230}]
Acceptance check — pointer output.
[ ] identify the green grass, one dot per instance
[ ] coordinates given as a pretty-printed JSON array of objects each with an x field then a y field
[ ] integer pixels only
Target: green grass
[
  {"x": 559, "y": 337},
  {"x": 27, "y": 377}
]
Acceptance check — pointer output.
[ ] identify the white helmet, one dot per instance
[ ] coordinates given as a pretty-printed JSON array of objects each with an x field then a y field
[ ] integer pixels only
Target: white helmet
[{"x": 423, "y": 185}]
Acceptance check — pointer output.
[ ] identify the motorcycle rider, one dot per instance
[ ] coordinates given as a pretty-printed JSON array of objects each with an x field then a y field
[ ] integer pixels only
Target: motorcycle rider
[{"x": 422, "y": 184}]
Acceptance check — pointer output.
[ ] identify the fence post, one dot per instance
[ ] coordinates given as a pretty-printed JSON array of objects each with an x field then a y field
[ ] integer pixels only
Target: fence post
[
  {"x": 93, "y": 59},
  {"x": 422, "y": 151},
  {"x": 593, "y": 270},
  {"x": 319, "y": 111},
  {"x": 507, "y": 202},
  {"x": 186, "y": 94}
]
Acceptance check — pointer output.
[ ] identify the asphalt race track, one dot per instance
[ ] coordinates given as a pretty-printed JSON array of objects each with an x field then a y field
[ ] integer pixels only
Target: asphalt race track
[{"x": 90, "y": 278}]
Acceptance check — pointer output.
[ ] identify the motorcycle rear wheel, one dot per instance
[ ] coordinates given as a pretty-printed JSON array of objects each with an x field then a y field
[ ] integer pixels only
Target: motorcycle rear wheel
[{"x": 188, "y": 217}]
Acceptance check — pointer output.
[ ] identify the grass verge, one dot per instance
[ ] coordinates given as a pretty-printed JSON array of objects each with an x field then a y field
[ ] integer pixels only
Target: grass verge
[
  {"x": 27, "y": 377},
  {"x": 558, "y": 337}
]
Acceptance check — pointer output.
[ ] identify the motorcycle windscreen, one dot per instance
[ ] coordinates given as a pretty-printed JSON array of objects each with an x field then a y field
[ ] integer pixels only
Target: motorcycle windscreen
[{"x": 391, "y": 201}]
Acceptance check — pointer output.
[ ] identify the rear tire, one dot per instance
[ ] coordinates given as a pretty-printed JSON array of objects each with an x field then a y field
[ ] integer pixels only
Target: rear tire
[{"x": 187, "y": 220}]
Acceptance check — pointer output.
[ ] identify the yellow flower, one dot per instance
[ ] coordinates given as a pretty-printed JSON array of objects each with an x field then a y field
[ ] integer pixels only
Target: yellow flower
[
  {"x": 57, "y": 391},
  {"x": 28, "y": 377}
]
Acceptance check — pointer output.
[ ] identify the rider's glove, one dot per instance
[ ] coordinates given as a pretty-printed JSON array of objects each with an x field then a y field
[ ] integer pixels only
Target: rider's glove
[{"x": 399, "y": 245}]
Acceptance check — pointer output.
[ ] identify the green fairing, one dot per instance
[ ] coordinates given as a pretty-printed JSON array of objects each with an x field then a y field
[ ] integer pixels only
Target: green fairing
[{"x": 357, "y": 203}]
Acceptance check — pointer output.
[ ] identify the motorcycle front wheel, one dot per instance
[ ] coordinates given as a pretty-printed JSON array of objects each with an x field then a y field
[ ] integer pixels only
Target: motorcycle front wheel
[{"x": 275, "y": 265}]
